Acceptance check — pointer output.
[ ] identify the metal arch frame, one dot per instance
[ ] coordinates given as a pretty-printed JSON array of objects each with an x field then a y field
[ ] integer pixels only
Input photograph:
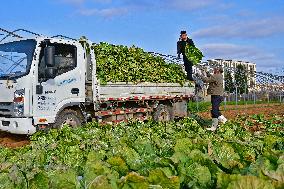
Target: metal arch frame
[
  {"x": 63, "y": 37},
  {"x": 8, "y": 34},
  {"x": 14, "y": 33},
  {"x": 268, "y": 76},
  {"x": 27, "y": 31}
]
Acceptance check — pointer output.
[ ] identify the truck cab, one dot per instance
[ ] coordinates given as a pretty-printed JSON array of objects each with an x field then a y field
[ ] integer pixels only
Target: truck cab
[{"x": 38, "y": 78}]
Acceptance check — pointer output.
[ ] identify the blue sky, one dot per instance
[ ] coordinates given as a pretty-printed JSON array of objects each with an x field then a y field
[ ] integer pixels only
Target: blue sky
[{"x": 244, "y": 30}]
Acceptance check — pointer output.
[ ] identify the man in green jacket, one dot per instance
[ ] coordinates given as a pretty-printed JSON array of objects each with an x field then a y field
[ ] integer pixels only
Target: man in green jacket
[{"x": 216, "y": 90}]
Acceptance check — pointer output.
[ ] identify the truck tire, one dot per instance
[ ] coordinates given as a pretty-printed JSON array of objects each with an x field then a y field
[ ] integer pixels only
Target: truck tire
[
  {"x": 163, "y": 113},
  {"x": 69, "y": 117}
]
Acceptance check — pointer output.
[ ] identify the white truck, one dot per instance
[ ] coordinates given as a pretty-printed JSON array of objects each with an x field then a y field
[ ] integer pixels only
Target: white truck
[{"x": 51, "y": 81}]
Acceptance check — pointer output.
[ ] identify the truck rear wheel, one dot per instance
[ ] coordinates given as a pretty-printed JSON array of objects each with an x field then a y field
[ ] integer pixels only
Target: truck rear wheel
[
  {"x": 69, "y": 117},
  {"x": 163, "y": 113}
]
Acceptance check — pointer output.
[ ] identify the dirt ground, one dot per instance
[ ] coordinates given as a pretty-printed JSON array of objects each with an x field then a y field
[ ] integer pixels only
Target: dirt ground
[
  {"x": 232, "y": 111},
  {"x": 15, "y": 141}
]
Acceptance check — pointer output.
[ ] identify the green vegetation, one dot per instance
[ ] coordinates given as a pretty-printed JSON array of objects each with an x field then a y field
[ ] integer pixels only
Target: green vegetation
[
  {"x": 242, "y": 102},
  {"x": 229, "y": 84},
  {"x": 194, "y": 107},
  {"x": 193, "y": 54},
  {"x": 117, "y": 63},
  {"x": 150, "y": 155},
  {"x": 241, "y": 79}
]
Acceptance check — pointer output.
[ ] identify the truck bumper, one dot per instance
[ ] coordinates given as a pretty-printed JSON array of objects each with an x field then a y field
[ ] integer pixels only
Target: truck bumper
[{"x": 17, "y": 125}]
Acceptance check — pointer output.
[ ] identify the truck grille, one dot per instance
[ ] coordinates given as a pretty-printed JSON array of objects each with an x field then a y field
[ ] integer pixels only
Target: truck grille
[{"x": 6, "y": 109}]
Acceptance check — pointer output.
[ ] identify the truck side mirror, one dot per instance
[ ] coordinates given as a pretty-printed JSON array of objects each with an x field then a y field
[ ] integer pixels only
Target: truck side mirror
[
  {"x": 49, "y": 56},
  {"x": 49, "y": 59}
]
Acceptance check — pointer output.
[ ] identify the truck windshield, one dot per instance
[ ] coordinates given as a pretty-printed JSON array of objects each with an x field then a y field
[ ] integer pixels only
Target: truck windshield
[{"x": 16, "y": 58}]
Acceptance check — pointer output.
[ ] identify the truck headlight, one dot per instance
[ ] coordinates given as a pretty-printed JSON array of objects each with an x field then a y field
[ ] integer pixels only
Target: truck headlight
[{"x": 19, "y": 102}]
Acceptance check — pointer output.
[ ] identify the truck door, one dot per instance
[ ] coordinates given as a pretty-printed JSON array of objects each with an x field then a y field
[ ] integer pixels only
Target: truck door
[{"x": 67, "y": 87}]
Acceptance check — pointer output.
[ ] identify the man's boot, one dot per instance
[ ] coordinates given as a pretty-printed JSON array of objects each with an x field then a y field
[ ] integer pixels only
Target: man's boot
[
  {"x": 222, "y": 119},
  {"x": 214, "y": 125}
]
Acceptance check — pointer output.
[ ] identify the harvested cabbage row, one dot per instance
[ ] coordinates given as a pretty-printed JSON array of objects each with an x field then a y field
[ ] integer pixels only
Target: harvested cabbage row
[{"x": 117, "y": 63}]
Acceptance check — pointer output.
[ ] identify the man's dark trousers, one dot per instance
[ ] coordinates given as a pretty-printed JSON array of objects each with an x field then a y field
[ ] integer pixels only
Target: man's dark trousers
[
  {"x": 216, "y": 101},
  {"x": 188, "y": 67}
]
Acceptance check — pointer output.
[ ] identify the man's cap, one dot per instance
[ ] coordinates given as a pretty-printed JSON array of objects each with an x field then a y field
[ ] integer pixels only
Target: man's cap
[{"x": 183, "y": 32}]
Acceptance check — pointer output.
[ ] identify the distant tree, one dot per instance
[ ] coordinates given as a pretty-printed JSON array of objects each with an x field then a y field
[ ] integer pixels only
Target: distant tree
[
  {"x": 229, "y": 84},
  {"x": 241, "y": 78}
]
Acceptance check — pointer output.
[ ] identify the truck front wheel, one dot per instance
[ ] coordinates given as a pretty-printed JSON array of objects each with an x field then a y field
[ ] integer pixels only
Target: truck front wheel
[
  {"x": 69, "y": 117},
  {"x": 163, "y": 113}
]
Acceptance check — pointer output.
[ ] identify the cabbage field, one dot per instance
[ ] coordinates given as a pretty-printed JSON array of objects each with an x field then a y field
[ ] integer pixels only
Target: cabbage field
[{"x": 140, "y": 155}]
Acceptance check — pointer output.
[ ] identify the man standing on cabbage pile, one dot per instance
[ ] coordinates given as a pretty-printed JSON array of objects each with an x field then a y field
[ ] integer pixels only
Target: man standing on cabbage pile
[
  {"x": 216, "y": 90},
  {"x": 181, "y": 45}
]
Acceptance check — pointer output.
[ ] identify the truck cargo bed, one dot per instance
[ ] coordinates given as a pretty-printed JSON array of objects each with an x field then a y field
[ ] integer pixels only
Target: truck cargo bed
[{"x": 140, "y": 90}]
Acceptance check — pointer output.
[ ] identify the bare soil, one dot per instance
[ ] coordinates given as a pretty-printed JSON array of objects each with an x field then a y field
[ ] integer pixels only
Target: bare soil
[
  {"x": 13, "y": 141},
  {"x": 232, "y": 111}
]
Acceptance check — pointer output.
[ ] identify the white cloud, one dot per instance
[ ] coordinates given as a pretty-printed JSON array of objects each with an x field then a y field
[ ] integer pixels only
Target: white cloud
[
  {"x": 103, "y": 1},
  {"x": 113, "y": 8},
  {"x": 108, "y": 12},
  {"x": 189, "y": 4},
  {"x": 253, "y": 28},
  {"x": 103, "y": 8},
  {"x": 80, "y": 2},
  {"x": 73, "y": 1}
]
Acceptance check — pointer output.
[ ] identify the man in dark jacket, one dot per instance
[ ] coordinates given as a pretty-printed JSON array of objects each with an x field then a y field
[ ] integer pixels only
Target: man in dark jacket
[{"x": 181, "y": 44}]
